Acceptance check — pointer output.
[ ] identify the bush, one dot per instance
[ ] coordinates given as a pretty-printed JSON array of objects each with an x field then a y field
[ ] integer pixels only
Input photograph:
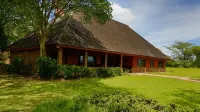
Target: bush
[
  {"x": 72, "y": 72},
  {"x": 197, "y": 62},
  {"x": 47, "y": 67},
  {"x": 179, "y": 64},
  {"x": 110, "y": 101},
  {"x": 63, "y": 105},
  {"x": 3, "y": 56},
  {"x": 109, "y": 72},
  {"x": 88, "y": 72},
  {"x": 2, "y": 67},
  {"x": 17, "y": 66}
]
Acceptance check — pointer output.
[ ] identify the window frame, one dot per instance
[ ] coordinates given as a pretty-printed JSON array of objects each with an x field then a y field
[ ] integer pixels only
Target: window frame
[
  {"x": 152, "y": 62},
  {"x": 90, "y": 64},
  {"x": 141, "y": 59}
]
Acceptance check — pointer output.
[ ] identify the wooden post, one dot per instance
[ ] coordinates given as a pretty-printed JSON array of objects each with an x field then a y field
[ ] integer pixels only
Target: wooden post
[
  {"x": 121, "y": 61},
  {"x": 86, "y": 59},
  {"x": 106, "y": 60},
  {"x": 164, "y": 65},
  {"x": 60, "y": 56}
]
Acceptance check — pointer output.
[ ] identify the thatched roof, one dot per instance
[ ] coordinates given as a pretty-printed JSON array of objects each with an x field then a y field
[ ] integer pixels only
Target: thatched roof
[{"x": 112, "y": 36}]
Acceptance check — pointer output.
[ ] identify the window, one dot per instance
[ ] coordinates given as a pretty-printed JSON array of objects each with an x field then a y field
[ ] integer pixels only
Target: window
[
  {"x": 91, "y": 61},
  {"x": 160, "y": 64},
  {"x": 141, "y": 63},
  {"x": 81, "y": 60},
  {"x": 152, "y": 63}
]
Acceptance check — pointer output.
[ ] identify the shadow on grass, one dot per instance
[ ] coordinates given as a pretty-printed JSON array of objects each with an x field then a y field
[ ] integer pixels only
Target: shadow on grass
[
  {"x": 19, "y": 93},
  {"x": 190, "y": 98}
]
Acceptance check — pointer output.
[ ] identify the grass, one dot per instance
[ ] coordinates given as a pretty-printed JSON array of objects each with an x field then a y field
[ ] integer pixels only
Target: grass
[
  {"x": 165, "y": 90},
  {"x": 193, "y": 73},
  {"x": 23, "y": 94}
]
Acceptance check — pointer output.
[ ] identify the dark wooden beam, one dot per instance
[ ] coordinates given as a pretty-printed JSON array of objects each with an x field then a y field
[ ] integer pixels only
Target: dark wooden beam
[
  {"x": 121, "y": 61},
  {"x": 111, "y": 52},
  {"x": 60, "y": 56},
  {"x": 86, "y": 59},
  {"x": 106, "y": 60}
]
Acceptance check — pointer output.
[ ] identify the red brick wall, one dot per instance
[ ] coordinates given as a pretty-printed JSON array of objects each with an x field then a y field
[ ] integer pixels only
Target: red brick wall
[
  {"x": 155, "y": 63},
  {"x": 147, "y": 67},
  {"x": 72, "y": 60},
  {"x": 147, "y": 63}
]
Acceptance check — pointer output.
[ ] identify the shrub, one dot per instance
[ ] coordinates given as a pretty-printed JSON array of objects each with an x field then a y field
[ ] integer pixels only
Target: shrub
[
  {"x": 126, "y": 70},
  {"x": 47, "y": 67},
  {"x": 17, "y": 66},
  {"x": 178, "y": 64},
  {"x": 108, "y": 72},
  {"x": 70, "y": 72},
  {"x": 2, "y": 67},
  {"x": 3, "y": 56},
  {"x": 2, "y": 62},
  {"x": 63, "y": 105},
  {"x": 197, "y": 62},
  {"x": 109, "y": 101}
]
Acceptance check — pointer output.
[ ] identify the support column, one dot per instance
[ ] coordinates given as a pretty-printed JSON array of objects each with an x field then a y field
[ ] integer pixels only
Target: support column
[
  {"x": 147, "y": 65},
  {"x": 134, "y": 64},
  {"x": 155, "y": 63},
  {"x": 106, "y": 60},
  {"x": 86, "y": 59},
  {"x": 60, "y": 56},
  {"x": 121, "y": 61},
  {"x": 164, "y": 64}
]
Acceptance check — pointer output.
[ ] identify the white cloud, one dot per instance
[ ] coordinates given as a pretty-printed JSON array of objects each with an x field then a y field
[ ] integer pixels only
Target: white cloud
[
  {"x": 121, "y": 14},
  {"x": 182, "y": 24},
  {"x": 161, "y": 22}
]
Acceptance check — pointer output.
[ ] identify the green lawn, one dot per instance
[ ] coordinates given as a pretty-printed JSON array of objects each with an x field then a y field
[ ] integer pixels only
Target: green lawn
[
  {"x": 185, "y": 72},
  {"x": 22, "y": 94},
  {"x": 164, "y": 90}
]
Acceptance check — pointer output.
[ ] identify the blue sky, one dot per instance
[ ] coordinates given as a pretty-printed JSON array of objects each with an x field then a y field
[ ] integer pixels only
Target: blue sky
[{"x": 161, "y": 22}]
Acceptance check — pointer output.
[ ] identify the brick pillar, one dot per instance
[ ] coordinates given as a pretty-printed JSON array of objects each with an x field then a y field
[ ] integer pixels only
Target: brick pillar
[
  {"x": 121, "y": 61},
  {"x": 134, "y": 64},
  {"x": 60, "y": 56},
  {"x": 106, "y": 60},
  {"x": 164, "y": 65},
  {"x": 86, "y": 59},
  {"x": 147, "y": 65},
  {"x": 155, "y": 63}
]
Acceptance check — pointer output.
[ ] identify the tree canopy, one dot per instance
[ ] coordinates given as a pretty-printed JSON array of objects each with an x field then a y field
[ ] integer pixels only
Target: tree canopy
[
  {"x": 40, "y": 15},
  {"x": 181, "y": 50},
  {"x": 185, "y": 54}
]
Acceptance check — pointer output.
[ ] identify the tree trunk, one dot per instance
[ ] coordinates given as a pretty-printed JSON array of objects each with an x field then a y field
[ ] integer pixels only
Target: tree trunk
[{"x": 42, "y": 46}]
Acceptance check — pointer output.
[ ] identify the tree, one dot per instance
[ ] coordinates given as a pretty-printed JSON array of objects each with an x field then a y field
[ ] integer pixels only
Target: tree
[
  {"x": 40, "y": 15},
  {"x": 196, "y": 52},
  {"x": 3, "y": 40},
  {"x": 10, "y": 23},
  {"x": 181, "y": 50},
  {"x": 3, "y": 21}
]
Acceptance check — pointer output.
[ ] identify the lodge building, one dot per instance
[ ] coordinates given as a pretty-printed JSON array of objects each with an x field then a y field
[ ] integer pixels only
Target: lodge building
[{"x": 112, "y": 44}]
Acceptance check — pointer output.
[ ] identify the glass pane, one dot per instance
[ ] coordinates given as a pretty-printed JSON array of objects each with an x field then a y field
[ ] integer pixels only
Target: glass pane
[
  {"x": 141, "y": 62},
  {"x": 81, "y": 59},
  {"x": 91, "y": 61}
]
